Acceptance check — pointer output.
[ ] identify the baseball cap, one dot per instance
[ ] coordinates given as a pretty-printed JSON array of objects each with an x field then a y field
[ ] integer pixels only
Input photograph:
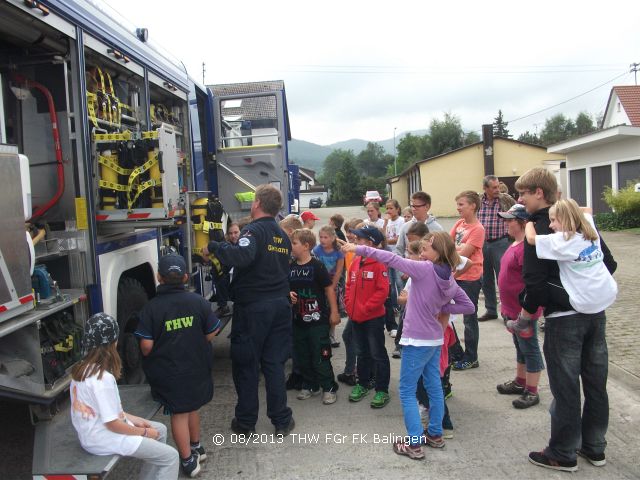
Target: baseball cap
[
  {"x": 99, "y": 329},
  {"x": 172, "y": 263},
  {"x": 370, "y": 233},
  {"x": 304, "y": 216},
  {"x": 516, "y": 211}
]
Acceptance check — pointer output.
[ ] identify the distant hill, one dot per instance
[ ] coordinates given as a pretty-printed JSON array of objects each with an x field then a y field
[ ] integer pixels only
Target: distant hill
[{"x": 311, "y": 155}]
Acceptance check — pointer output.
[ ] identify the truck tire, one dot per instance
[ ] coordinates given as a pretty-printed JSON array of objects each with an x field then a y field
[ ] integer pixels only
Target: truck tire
[{"x": 131, "y": 298}]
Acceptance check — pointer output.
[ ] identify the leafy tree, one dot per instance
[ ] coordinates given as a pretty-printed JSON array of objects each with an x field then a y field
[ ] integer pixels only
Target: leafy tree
[
  {"x": 445, "y": 135},
  {"x": 471, "y": 137},
  {"x": 410, "y": 149},
  {"x": 332, "y": 164},
  {"x": 373, "y": 183},
  {"x": 584, "y": 124},
  {"x": 529, "y": 137},
  {"x": 347, "y": 182},
  {"x": 557, "y": 129},
  {"x": 500, "y": 126},
  {"x": 373, "y": 160}
]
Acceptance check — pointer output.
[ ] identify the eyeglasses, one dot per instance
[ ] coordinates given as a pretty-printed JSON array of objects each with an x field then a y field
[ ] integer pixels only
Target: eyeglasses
[{"x": 418, "y": 206}]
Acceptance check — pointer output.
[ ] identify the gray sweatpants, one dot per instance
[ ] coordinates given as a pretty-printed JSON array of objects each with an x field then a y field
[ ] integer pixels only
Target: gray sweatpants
[{"x": 161, "y": 461}]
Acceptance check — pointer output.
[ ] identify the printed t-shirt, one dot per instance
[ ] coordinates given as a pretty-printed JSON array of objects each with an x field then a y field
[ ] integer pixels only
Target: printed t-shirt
[
  {"x": 472, "y": 234},
  {"x": 96, "y": 402},
  {"x": 308, "y": 281}
]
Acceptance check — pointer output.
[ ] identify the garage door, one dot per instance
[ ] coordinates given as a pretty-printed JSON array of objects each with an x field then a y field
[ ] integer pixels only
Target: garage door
[
  {"x": 578, "y": 186},
  {"x": 600, "y": 178}
]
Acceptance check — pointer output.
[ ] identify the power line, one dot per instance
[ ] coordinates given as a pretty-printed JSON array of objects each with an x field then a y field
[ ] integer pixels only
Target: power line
[{"x": 570, "y": 99}]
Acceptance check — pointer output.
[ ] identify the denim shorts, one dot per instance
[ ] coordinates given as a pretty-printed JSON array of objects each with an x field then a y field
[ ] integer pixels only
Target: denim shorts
[{"x": 528, "y": 351}]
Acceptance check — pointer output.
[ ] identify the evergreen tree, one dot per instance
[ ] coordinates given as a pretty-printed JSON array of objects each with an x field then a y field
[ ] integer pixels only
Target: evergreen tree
[
  {"x": 347, "y": 183},
  {"x": 529, "y": 137},
  {"x": 500, "y": 126}
]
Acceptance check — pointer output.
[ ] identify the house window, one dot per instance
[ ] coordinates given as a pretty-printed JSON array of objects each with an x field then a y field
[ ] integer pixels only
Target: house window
[{"x": 628, "y": 172}]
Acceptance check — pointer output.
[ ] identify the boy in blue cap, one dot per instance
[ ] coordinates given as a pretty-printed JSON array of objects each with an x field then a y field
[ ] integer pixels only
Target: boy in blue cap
[{"x": 175, "y": 331}]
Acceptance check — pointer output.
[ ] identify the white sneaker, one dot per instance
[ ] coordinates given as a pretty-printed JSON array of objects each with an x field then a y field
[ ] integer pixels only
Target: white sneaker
[
  {"x": 393, "y": 333},
  {"x": 329, "y": 398},
  {"x": 447, "y": 434},
  {"x": 306, "y": 393}
]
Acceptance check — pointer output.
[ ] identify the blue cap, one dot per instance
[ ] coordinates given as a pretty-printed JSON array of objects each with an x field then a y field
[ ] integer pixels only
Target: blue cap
[
  {"x": 172, "y": 263},
  {"x": 370, "y": 233},
  {"x": 516, "y": 211}
]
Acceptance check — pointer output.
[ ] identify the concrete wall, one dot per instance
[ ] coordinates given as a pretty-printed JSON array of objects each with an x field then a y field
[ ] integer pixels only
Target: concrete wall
[
  {"x": 306, "y": 196},
  {"x": 446, "y": 176},
  {"x": 400, "y": 191}
]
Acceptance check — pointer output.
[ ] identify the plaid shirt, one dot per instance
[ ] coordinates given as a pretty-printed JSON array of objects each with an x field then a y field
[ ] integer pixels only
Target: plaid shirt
[{"x": 494, "y": 226}]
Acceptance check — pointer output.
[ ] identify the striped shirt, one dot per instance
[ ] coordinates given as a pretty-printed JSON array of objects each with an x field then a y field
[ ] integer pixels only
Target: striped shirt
[{"x": 494, "y": 226}]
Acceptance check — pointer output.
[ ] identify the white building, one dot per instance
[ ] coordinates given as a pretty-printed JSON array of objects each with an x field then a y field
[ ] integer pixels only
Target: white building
[{"x": 607, "y": 157}]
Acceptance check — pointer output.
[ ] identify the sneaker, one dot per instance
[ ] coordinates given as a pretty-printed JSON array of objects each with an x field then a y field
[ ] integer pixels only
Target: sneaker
[
  {"x": 465, "y": 365},
  {"x": 191, "y": 466},
  {"x": 380, "y": 400},
  {"x": 294, "y": 381},
  {"x": 330, "y": 397},
  {"x": 358, "y": 393},
  {"x": 447, "y": 433},
  {"x": 540, "y": 459},
  {"x": 200, "y": 451},
  {"x": 347, "y": 378},
  {"x": 488, "y": 316},
  {"x": 413, "y": 452},
  {"x": 598, "y": 460},
  {"x": 393, "y": 333},
  {"x": 432, "y": 441},
  {"x": 510, "y": 388},
  {"x": 241, "y": 429},
  {"x": 334, "y": 342},
  {"x": 397, "y": 353},
  {"x": 284, "y": 431},
  {"x": 526, "y": 400},
  {"x": 306, "y": 393}
]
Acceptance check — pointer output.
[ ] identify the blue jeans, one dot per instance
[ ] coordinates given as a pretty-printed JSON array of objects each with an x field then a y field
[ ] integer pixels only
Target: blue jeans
[
  {"x": 372, "y": 354},
  {"x": 492, "y": 252},
  {"x": 349, "y": 348},
  {"x": 575, "y": 347},
  {"x": 421, "y": 362},
  {"x": 471, "y": 329},
  {"x": 528, "y": 351}
]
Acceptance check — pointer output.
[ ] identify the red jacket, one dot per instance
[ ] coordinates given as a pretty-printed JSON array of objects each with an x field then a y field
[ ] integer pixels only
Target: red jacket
[{"x": 366, "y": 290}]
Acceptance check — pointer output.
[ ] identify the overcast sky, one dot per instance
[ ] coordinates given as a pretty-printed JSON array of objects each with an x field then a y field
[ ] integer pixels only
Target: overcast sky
[{"x": 359, "y": 69}]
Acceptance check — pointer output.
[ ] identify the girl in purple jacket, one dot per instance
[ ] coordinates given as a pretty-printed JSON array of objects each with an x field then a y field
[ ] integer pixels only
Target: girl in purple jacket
[{"x": 433, "y": 289}]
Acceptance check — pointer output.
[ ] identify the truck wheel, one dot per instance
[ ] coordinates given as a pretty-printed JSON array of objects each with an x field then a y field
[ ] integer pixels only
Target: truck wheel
[{"x": 131, "y": 298}]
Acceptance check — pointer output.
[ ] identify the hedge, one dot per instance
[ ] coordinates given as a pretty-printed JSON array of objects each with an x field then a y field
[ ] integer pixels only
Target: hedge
[{"x": 617, "y": 221}]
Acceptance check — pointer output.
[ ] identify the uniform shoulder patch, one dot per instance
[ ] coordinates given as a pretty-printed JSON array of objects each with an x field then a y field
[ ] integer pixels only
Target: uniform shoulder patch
[{"x": 244, "y": 242}]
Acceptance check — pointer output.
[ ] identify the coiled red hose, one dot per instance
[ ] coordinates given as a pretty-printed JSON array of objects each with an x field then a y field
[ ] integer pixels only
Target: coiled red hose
[{"x": 56, "y": 143}]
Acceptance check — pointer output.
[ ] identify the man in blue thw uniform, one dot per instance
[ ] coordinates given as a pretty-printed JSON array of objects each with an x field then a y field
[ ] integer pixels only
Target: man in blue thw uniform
[{"x": 261, "y": 327}]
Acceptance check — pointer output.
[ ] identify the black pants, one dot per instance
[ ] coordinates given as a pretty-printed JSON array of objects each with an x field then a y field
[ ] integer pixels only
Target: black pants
[{"x": 261, "y": 340}]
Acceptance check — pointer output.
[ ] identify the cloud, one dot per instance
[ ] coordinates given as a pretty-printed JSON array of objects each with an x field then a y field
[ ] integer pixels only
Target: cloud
[{"x": 359, "y": 69}]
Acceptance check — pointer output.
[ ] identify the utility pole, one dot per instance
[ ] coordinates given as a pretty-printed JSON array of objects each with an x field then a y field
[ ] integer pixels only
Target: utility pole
[
  {"x": 634, "y": 68},
  {"x": 203, "y": 70},
  {"x": 395, "y": 158}
]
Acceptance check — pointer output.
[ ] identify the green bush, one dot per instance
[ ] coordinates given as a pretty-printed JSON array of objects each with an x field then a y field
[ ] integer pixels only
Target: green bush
[
  {"x": 617, "y": 221},
  {"x": 625, "y": 200}
]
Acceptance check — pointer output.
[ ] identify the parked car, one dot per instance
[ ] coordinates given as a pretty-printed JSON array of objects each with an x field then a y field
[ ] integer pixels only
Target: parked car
[
  {"x": 315, "y": 202},
  {"x": 372, "y": 196}
]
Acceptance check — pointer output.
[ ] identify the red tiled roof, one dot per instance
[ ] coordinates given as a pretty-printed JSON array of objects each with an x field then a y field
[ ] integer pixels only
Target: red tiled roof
[{"x": 630, "y": 98}]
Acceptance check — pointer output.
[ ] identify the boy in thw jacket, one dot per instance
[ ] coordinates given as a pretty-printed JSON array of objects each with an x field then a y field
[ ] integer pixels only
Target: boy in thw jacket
[{"x": 366, "y": 291}]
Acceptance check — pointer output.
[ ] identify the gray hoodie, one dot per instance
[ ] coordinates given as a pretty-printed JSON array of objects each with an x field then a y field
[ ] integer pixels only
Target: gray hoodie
[{"x": 401, "y": 245}]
